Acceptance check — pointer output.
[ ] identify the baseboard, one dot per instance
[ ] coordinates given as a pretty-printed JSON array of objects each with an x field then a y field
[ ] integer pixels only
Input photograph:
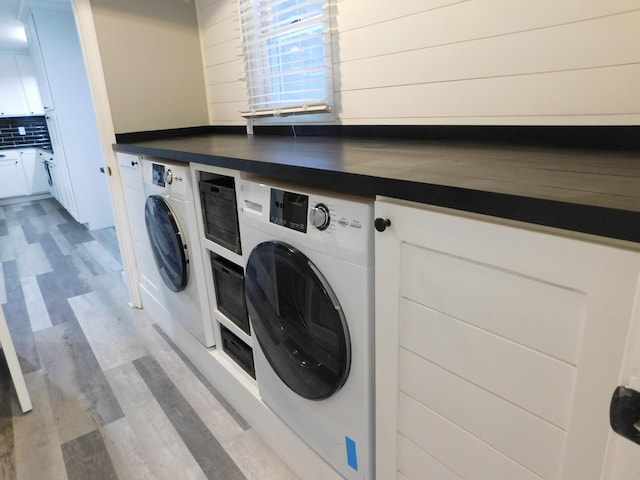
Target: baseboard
[{"x": 24, "y": 198}]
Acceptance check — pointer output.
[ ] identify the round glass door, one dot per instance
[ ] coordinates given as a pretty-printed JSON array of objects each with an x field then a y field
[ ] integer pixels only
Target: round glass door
[
  {"x": 297, "y": 320},
  {"x": 167, "y": 243}
]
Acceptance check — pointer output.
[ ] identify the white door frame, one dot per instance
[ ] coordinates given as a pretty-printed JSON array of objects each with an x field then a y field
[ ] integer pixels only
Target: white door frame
[{"x": 93, "y": 63}]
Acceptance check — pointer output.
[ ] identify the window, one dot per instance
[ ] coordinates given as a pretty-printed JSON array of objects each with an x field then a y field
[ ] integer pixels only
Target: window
[{"x": 287, "y": 51}]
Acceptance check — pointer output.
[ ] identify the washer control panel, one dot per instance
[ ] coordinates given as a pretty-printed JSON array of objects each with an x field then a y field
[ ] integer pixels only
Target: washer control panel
[
  {"x": 299, "y": 211},
  {"x": 165, "y": 179},
  {"x": 337, "y": 224},
  {"x": 289, "y": 209}
]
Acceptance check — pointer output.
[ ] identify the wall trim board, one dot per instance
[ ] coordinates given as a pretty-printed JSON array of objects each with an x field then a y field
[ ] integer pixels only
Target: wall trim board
[
  {"x": 143, "y": 136},
  {"x": 609, "y": 137}
]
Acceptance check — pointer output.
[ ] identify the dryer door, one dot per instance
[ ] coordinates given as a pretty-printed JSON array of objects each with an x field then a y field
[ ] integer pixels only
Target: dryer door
[
  {"x": 167, "y": 241},
  {"x": 297, "y": 320}
]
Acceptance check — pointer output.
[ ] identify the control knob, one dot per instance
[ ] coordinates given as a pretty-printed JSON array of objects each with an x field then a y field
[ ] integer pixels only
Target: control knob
[
  {"x": 168, "y": 176},
  {"x": 320, "y": 217}
]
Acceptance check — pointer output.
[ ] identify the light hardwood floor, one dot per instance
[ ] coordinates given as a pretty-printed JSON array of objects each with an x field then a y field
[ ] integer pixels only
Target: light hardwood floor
[{"x": 112, "y": 397}]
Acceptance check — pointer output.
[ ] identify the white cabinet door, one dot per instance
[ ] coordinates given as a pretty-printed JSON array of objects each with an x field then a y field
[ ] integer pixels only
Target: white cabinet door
[
  {"x": 133, "y": 187},
  {"x": 44, "y": 158},
  {"x": 57, "y": 181},
  {"x": 34, "y": 172},
  {"x": 38, "y": 64},
  {"x": 63, "y": 189},
  {"x": 497, "y": 348},
  {"x": 30, "y": 84},
  {"x": 12, "y": 180},
  {"x": 12, "y": 96}
]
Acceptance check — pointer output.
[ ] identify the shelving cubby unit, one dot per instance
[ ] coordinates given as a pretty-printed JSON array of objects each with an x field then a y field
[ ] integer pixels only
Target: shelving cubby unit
[{"x": 224, "y": 259}]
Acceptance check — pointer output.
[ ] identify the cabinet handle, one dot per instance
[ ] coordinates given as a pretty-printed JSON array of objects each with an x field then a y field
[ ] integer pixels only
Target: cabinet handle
[
  {"x": 381, "y": 224},
  {"x": 133, "y": 163},
  {"x": 2, "y": 156},
  {"x": 624, "y": 414}
]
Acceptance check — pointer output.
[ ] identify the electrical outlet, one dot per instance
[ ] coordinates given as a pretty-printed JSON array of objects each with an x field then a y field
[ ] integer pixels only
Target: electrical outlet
[{"x": 21, "y": 131}]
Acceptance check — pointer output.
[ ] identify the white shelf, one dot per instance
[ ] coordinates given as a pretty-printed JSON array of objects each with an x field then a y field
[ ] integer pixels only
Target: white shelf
[
  {"x": 223, "y": 252},
  {"x": 237, "y": 331}
]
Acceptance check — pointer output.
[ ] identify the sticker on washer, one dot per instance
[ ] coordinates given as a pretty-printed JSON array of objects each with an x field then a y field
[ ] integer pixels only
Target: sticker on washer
[{"x": 352, "y": 456}]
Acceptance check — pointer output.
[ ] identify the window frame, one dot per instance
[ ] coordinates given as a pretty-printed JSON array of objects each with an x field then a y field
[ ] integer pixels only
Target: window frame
[{"x": 259, "y": 28}]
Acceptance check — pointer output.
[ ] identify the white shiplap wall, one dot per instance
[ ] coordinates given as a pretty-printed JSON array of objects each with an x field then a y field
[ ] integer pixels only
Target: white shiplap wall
[
  {"x": 224, "y": 68},
  {"x": 550, "y": 62}
]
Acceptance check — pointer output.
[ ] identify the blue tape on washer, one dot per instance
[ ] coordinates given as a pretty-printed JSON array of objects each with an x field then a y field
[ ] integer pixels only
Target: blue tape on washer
[{"x": 352, "y": 456}]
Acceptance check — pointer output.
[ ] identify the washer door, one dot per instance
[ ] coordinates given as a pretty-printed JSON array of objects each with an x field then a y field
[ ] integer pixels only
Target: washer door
[
  {"x": 297, "y": 320},
  {"x": 167, "y": 243}
]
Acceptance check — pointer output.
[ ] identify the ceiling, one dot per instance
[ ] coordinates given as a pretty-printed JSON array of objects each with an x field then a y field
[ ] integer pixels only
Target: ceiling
[{"x": 12, "y": 37}]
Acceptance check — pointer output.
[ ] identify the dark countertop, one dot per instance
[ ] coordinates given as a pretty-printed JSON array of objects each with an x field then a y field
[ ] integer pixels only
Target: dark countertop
[{"x": 589, "y": 191}]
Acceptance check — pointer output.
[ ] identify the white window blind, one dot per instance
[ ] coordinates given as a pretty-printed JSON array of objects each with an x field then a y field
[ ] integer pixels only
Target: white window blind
[{"x": 287, "y": 52}]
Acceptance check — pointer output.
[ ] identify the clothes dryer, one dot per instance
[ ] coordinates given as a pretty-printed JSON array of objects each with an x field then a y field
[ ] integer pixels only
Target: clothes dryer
[
  {"x": 172, "y": 285},
  {"x": 309, "y": 293}
]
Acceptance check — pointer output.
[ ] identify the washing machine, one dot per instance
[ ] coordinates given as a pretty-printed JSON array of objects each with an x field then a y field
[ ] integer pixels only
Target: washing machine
[
  {"x": 309, "y": 294},
  {"x": 172, "y": 280}
]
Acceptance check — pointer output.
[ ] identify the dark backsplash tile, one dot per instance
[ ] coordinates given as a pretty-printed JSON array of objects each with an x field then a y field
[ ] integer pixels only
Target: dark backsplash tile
[{"x": 36, "y": 132}]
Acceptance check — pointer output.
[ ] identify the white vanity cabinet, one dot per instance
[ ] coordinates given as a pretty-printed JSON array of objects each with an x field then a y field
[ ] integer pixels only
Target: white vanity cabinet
[
  {"x": 497, "y": 348},
  {"x": 21, "y": 173},
  {"x": 12, "y": 179}
]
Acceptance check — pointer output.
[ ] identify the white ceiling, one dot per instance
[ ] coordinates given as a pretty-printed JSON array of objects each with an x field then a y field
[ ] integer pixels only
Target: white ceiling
[{"x": 12, "y": 36}]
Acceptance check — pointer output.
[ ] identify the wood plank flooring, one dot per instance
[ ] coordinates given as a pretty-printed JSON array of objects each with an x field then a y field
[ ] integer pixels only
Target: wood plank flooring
[{"x": 112, "y": 397}]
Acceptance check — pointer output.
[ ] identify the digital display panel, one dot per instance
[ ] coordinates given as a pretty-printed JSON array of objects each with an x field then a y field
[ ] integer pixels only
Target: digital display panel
[
  {"x": 157, "y": 174},
  {"x": 289, "y": 209}
]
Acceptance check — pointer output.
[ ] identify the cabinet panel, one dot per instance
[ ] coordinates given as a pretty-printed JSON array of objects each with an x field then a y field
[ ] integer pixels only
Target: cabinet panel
[
  {"x": 133, "y": 187},
  {"x": 492, "y": 419},
  {"x": 63, "y": 189},
  {"x": 458, "y": 300},
  {"x": 12, "y": 180},
  {"x": 30, "y": 84},
  {"x": 34, "y": 172},
  {"x": 550, "y": 318},
  {"x": 44, "y": 159},
  {"x": 415, "y": 463},
  {"x": 469, "y": 457},
  {"x": 38, "y": 64},
  {"x": 12, "y": 97},
  {"x": 533, "y": 381}
]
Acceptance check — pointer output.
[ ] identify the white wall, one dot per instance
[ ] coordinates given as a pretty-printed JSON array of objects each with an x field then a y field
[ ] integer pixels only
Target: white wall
[
  {"x": 544, "y": 62},
  {"x": 150, "y": 52}
]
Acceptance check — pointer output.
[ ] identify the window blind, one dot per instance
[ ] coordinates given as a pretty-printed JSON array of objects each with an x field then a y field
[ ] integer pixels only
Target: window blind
[{"x": 287, "y": 53}]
